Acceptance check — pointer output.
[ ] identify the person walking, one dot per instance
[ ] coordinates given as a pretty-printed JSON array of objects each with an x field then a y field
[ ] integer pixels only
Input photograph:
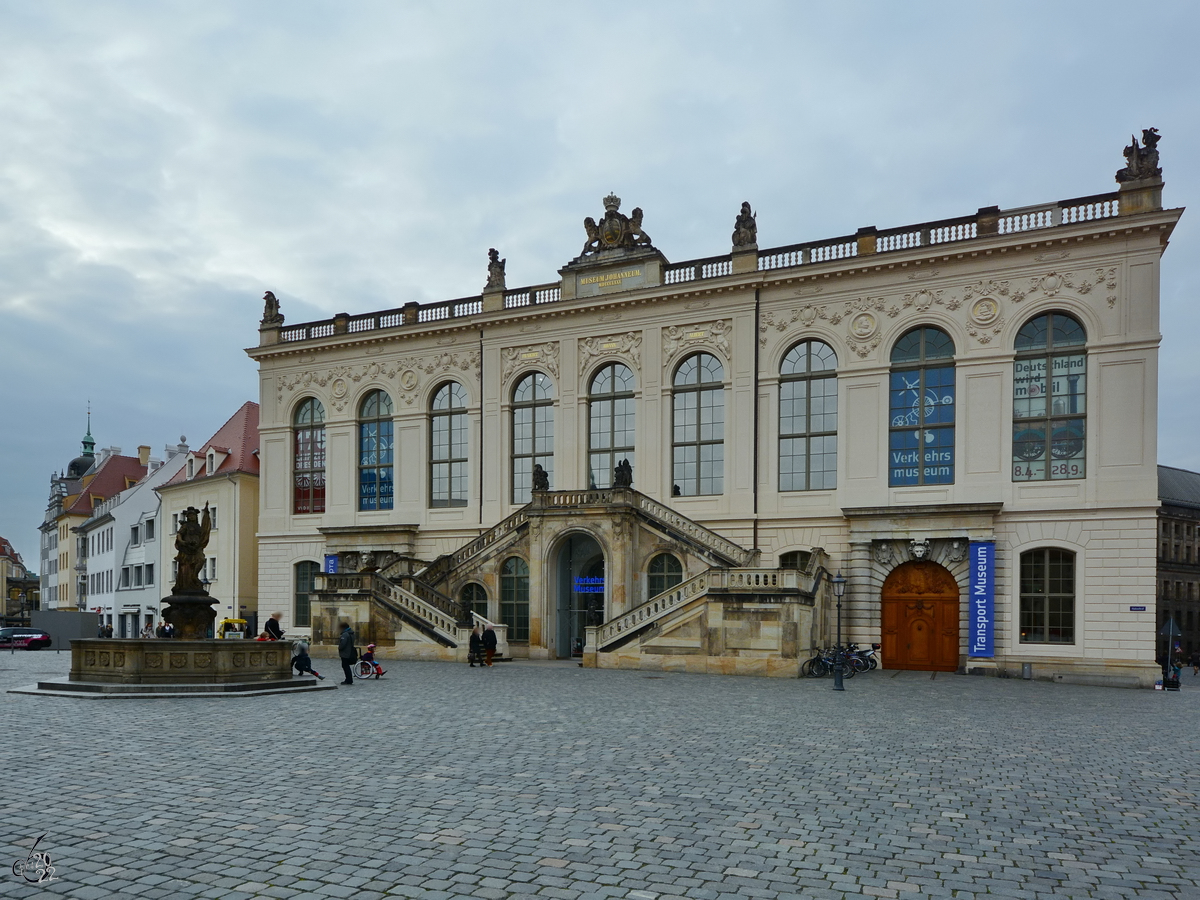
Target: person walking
[
  {"x": 475, "y": 648},
  {"x": 489, "y": 644},
  {"x": 272, "y": 627},
  {"x": 1194, "y": 662},
  {"x": 346, "y": 652}
]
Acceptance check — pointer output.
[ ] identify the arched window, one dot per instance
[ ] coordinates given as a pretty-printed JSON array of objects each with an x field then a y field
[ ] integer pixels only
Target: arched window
[
  {"x": 699, "y": 427},
  {"x": 795, "y": 559},
  {"x": 1050, "y": 399},
  {"x": 474, "y": 598},
  {"x": 308, "y": 467},
  {"x": 448, "y": 446},
  {"x": 532, "y": 433},
  {"x": 808, "y": 418},
  {"x": 514, "y": 598},
  {"x": 610, "y": 423},
  {"x": 375, "y": 449},
  {"x": 664, "y": 573},
  {"x": 306, "y": 582},
  {"x": 1047, "y": 596},
  {"x": 921, "y": 442}
]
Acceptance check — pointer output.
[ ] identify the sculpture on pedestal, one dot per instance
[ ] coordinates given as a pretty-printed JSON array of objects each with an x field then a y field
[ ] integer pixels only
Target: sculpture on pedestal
[
  {"x": 271, "y": 313},
  {"x": 190, "y": 607},
  {"x": 623, "y": 475},
  {"x": 541, "y": 480},
  {"x": 495, "y": 281},
  {"x": 745, "y": 229},
  {"x": 614, "y": 231},
  {"x": 1141, "y": 161}
]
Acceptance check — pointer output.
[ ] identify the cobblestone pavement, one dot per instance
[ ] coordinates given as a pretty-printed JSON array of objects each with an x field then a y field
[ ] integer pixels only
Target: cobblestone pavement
[{"x": 550, "y": 781}]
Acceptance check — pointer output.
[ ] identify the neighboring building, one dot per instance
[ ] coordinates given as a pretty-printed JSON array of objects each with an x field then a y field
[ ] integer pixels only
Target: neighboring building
[
  {"x": 122, "y": 540},
  {"x": 18, "y": 586},
  {"x": 74, "y": 497},
  {"x": 224, "y": 474},
  {"x": 893, "y": 404},
  {"x": 1179, "y": 558}
]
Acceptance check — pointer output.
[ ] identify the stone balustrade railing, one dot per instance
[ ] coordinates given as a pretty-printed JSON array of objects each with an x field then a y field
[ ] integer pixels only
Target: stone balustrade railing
[
  {"x": 986, "y": 222},
  {"x": 695, "y": 531},
  {"x": 437, "y": 571},
  {"x": 655, "y": 608}
]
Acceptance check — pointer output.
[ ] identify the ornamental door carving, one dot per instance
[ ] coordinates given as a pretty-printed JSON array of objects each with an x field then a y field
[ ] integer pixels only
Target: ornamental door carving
[{"x": 920, "y": 618}]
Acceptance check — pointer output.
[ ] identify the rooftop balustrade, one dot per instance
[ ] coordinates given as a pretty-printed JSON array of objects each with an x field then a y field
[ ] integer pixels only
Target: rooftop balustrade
[{"x": 986, "y": 222}]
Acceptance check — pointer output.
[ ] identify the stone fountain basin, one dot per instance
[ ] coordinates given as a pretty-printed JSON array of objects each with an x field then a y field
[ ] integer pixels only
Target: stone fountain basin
[{"x": 167, "y": 661}]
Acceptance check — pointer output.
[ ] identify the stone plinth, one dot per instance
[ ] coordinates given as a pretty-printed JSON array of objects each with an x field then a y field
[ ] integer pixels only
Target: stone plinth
[
  {"x": 162, "y": 661},
  {"x": 192, "y": 614}
]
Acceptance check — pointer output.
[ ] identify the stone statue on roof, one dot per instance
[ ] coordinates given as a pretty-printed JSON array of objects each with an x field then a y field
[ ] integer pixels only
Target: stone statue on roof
[
  {"x": 745, "y": 229},
  {"x": 495, "y": 281},
  {"x": 271, "y": 313},
  {"x": 1141, "y": 161},
  {"x": 614, "y": 231}
]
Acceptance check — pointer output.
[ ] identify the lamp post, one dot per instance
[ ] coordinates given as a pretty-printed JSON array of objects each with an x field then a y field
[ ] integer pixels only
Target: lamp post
[{"x": 839, "y": 588}]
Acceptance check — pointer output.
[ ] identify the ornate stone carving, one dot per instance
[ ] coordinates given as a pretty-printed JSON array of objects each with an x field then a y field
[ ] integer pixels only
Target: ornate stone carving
[
  {"x": 919, "y": 550},
  {"x": 1141, "y": 160},
  {"x": 89, "y": 657},
  {"x": 863, "y": 349},
  {"x": 239, "y": 660},
  {"x": 863, "y": 326},
  {"x": 614, "y": 231},
  {"x": 715, "y": 333},
  {"x": 921, "y": 274},
  {"x": 407, "y": 370},
  {"x": 256, "y": 659},
  {"x": 627, "y": 346},
  {"x": 271, "y": 313},
  {"x": 202, "y": 660},
  {"x": 495, "y": 279},
  {"x": 541, "y": 479},
  {"x": 538, "y": 356},
  {"x": 882, "y": 551},
  {"x": 984, "y": 320},
  {"x": 178, "y": 660},
  {"x": 105, "y": 658},
  {"x": 190, "y": 541},
  {"x": 956, "y": 551},
  {"x": 745, "y": 229},
  {"x": 154, "y": 660},
  {"x": 118, "y": 658}
]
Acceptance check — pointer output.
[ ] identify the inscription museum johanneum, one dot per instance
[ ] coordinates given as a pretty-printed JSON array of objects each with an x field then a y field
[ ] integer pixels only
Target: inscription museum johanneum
[{"x": 658, "y": 465}]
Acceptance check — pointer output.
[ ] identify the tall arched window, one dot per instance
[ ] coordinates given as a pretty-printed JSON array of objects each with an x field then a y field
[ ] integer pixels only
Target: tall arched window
[
  {"x": 699, "y": 426},
  {"x": 448, "y": 446},
  {"x": 306, "y": 582},
  {"x": 610, "y": 423},
  {"x": 1047, "y": 596},
  {"x": 308, "y": 466},
  {"x": 474, "y": 598},
  {"x": 1050, "y": 399},
  {"x": 514, "y": 598},
  {"x": 532, "y": 433},
  {"x": 664, "y": 572},
  {"x": 808, "y": 418},
  {"x": 375, "y": 452},
  {"x": 921, "y": 444}
]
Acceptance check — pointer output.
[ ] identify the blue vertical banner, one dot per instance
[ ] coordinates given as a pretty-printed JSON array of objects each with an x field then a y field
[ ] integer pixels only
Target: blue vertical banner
[
  {"x": 331, "y": 564},
  {"x": 982, "y": 627}
]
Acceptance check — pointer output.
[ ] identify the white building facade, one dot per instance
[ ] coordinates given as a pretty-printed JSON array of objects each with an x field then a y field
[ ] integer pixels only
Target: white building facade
[{"x": 942, "y": 412}]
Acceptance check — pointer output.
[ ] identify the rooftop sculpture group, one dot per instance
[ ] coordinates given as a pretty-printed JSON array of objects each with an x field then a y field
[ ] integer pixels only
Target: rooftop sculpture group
[
  {"x": 614, "y": 231},
  {"x": 1141, "y": 161}
]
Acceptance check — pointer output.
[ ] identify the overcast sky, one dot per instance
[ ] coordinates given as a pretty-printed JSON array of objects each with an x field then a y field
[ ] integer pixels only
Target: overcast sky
[{"x": 162, "y": 164}]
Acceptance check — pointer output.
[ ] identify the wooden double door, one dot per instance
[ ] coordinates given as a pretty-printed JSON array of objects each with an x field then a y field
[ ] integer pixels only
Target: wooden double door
[{"x": 920, "y": 618}]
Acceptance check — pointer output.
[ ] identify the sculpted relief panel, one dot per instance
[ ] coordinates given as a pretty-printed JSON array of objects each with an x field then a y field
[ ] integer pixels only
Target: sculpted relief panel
[
  {"x": 536, "y": 356},
  {"x": 405, "y": 374},
  {"x": 715, "y": 334},
  {"x": 983, "y": 302},
  {"x": 626, "y": 346}
]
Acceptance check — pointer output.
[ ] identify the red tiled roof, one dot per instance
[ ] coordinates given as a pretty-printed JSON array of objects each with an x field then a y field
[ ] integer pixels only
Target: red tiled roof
[
  {"x": 7, "y": 549},
  {"x": 238, "y": 438},
  {"x": 114, "y": 475}
]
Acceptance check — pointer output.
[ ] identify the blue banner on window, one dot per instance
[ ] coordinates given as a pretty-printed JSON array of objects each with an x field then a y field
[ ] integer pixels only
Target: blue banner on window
[
  {"x": 983, "y": 599},
  {"x": 589, "y": 585},
  {"x": 331, "y": 564}
]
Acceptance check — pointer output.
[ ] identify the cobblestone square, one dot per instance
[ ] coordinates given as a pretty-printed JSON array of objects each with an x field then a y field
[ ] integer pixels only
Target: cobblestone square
[{"x": 547, "y": 780}]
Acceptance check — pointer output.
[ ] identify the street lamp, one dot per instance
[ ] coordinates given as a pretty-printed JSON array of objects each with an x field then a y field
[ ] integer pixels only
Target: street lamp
[{"x": 839, "y": 589}]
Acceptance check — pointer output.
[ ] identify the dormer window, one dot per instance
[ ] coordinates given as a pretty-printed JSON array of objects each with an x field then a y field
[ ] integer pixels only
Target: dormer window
[
  {"x": 211, "y": 464},
  {"x": 191, "y": 467}
]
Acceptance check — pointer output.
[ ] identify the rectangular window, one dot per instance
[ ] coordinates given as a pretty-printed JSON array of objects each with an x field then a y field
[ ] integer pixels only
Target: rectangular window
[
  {"x": 921, "y": 443},
  {"x": 137, "y": 576},
  {"x": 148, "y": 526},
  {"x": 212, "y": 568},
  {"x": 149, "y": 574},
  {"x": 212, "y": 515},
  {"x": 125, "y": 577},
  {"x": 174, "y": 523},
  {"x": 1047, "y": 582},
  {"x": 135, "y": 536}
]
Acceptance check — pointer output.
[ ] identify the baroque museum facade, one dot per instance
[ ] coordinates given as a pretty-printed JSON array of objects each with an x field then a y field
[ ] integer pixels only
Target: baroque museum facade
[{"x": 662, "y": 465}]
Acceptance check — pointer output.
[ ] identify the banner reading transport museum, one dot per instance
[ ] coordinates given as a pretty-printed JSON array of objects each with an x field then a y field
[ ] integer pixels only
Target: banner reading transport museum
[{"x": 982, "y": 619}]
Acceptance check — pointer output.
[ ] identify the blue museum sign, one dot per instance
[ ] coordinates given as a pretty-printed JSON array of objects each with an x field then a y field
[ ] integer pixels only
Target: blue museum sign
[
  {"x": 983, "y": 599},
  {"x": 589, "y": 585},
  {"x": 331, "y": 563}
]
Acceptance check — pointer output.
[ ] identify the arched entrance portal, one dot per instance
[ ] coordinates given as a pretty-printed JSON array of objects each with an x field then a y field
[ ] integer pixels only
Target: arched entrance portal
[
  {"x": 581, "y": 591},
  {"x": 920, "y": 618}
]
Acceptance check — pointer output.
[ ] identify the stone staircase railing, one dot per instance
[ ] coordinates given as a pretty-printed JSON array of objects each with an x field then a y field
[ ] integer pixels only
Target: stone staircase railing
[
  {"x": 438, "y": 570},
  {"x": 722, "y": 547},
  {"x": 621, "y": 628}
]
